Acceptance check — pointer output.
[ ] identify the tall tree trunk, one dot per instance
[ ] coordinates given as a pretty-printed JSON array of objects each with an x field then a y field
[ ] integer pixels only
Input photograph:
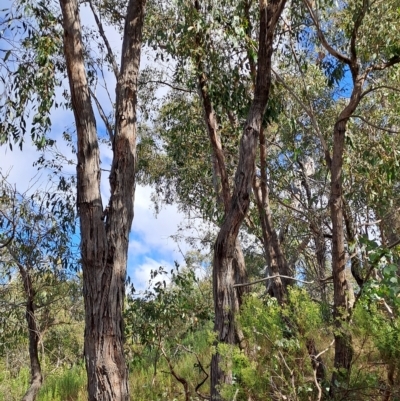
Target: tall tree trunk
[
  {"x": 220, "y": 178},
  {"x": 225, "y": 300},
  {"x": 341, "y": 288},
  {"x": 104, "y": 245},
  {"x": 36, "y": 371},
  {"x": 320, "y": 253},
  {"x": 275, "y": 258},
  {"x": 221, "y": 183}
]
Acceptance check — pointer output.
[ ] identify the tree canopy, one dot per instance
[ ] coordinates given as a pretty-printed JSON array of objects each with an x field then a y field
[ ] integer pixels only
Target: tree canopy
[{"x": 274, "y": 122}]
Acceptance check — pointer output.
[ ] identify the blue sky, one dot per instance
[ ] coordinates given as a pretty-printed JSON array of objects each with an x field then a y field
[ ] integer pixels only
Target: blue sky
[{"x": 151, "y": 244}]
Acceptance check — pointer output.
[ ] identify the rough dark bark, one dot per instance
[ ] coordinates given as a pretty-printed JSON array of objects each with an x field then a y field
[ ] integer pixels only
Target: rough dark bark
[
  {"x": 36, "y": 371},
  {"x": 222, "y": 190},
  {"x": 104, "y": 245},
  {"x": 275, "y": 258},
  {"x": 225, "y": 300},
  {"x": 316, "y": 360}
]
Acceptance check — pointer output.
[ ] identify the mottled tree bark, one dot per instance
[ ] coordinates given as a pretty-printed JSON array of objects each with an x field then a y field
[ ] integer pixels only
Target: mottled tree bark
[
  {"x": 356, "y": 265},
  {"x": 104, "y": 244},
  {"x": 225, "y": 300},
  {"x": 275, "y": 258}
]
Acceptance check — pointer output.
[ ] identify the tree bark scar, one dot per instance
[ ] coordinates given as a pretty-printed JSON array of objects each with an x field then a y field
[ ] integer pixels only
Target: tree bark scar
[{"x": 129, "y": 93}]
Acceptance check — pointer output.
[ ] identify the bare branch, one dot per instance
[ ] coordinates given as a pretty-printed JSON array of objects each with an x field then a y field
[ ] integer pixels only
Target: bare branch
[
  {"x": 394, "y": 244},
  {"x": 382, "y": 66},
  {"x": 272, "y": 277},
  {"x": 372, "y": 89},
  {"x": 315, "y": 370},
  {"x": 168, "y": 84},
  {"x": 322, "y": 38},
  {"x": 105, "y": 39},
  {"x": 200, "y": 365},
  {"x": 388, "y": 309},
  {"x": 326, "y": 349},
  {"x": 180, "y": 379},
  {"x": 102, "y": 115},
  {"x": 374, "y": 125},
  {"x": 276, "y": 197}
]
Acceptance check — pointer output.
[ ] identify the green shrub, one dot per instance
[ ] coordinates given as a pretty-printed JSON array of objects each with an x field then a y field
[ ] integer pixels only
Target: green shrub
[
  {"x": 66, "y": 385},
  {"x": 276, "y": 364}
]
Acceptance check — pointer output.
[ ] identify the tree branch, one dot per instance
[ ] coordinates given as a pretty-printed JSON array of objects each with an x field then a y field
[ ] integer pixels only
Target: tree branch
[
  {"x": 382, "y": 66},
  {"x": 200, "y": 365},
  {"x": 321, "y": 37},
  {"x": 106, "y": 42},
  {"x": 374, "y": 125},
  {"x": 315, "y": 369},
  {"x": 168, "y": 84},
  {"x": 180, "y": 379},
  {"x": 354, "y": 33},
  {"x": 372, "y": 89},
  {"x": 272, "y": 277},
  {"x": 310, "y": 114},
  {"x": 102, "y": 115}
]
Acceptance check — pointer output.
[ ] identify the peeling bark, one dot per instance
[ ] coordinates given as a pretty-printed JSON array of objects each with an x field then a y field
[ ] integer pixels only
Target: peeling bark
[
  {"x": 104, "y": 246},
  {"x": 225, "y": 302}
]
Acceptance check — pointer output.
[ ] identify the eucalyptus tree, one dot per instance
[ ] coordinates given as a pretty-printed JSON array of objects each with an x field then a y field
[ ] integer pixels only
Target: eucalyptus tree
[
  {"x": 53, "y": 41},
  {"x": 213, "y": 45},
  {"x": 205, "y": 37},
  {"x": 105, "y": 231},
  {"x": 223, "y": 270},
  {"x": 39, "y": 251},
  {"x": 350, "y": 60}
]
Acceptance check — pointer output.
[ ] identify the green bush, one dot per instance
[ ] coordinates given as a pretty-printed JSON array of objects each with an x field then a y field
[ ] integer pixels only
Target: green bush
[{"x": 276, "y": 364}]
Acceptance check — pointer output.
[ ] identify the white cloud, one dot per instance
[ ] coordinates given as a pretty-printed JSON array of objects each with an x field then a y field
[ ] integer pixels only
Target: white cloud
[
  {"x": 142, "y": 274},
  {"x": 19, "y": 166},
  {"x": 152, "y": 235}
]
